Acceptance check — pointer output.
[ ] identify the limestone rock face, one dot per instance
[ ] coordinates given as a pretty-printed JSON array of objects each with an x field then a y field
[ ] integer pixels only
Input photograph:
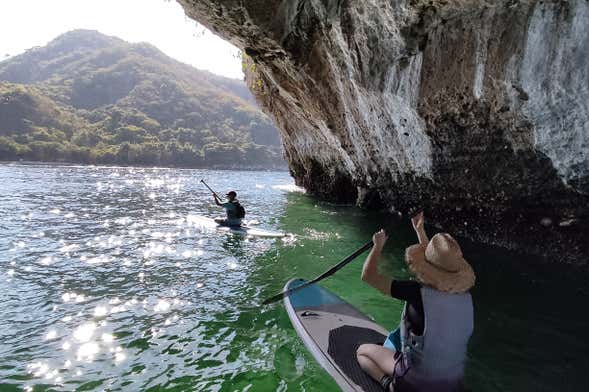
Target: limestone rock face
[{"x": 477, "y": 111}]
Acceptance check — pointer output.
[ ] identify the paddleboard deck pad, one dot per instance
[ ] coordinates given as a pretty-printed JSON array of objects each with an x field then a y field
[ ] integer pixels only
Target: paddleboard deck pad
[
  {"x": 205, "y": 223},
  {"x": 332, "y": 331}
]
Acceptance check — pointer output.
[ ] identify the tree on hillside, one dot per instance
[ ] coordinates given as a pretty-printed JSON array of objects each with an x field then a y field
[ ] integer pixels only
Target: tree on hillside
[{"x": 90, "y": 98}]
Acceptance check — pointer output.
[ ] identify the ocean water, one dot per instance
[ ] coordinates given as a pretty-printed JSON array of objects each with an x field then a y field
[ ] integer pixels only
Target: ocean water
[{"x": 105, "y": 284}]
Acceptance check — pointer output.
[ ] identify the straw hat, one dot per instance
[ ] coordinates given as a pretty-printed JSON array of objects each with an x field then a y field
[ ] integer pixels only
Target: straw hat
[{"x": 440, "y": 264}]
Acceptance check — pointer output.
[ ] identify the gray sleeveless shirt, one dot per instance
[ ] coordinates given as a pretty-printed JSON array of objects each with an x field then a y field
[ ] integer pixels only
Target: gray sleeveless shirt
[{"x": 436, "y": 358}]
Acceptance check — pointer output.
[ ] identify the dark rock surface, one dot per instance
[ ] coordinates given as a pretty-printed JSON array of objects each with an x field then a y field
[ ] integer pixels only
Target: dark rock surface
[{"x": 477, "y": 111}]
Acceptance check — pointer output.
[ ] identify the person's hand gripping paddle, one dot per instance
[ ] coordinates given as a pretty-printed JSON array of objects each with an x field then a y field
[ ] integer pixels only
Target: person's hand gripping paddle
[{"x": 214, "y": 193}]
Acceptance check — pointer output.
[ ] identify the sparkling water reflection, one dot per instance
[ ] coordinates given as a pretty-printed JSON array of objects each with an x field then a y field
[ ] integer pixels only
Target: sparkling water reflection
[{"x": 105, "y": 284}]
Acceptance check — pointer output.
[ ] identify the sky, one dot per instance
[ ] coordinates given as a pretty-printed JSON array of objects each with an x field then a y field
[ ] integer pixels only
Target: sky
[{"x": 28, "y": 23}]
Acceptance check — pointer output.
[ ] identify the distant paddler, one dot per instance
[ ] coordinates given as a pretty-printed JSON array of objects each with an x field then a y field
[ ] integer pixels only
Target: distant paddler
[
  {"x": 233, "y": 208},
  {"x": 428, "y": 351}
]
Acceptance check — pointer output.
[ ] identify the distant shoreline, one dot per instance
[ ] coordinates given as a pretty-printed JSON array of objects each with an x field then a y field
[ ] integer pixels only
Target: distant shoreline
[{"x": 106, "y": 165}]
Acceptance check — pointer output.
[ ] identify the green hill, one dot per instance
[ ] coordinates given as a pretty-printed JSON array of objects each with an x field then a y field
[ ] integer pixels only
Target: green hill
[{"x": 90, "y": 98}]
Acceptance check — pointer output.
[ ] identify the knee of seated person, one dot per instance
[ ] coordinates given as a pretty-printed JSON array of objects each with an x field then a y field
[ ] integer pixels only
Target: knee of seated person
[{"x": 362, "y": 349}]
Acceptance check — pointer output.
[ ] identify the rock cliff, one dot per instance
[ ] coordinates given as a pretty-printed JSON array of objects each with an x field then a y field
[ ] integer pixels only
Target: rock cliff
[{"x": 476, "y": 110}]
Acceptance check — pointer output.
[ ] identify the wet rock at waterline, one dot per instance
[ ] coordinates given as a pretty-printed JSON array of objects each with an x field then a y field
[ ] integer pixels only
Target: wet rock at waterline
[{"x": 475, "y": 110}]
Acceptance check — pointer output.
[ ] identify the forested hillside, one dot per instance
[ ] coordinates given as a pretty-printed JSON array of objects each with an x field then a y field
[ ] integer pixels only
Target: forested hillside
[{"x": 91, "y": 98}]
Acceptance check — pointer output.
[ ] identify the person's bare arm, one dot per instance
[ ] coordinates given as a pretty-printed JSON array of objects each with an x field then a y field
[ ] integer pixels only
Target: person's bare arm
[
  {"x": 216, "y": 200},
  {"x": 370, "y": 273},
  {"x": 418, "y": 222}
]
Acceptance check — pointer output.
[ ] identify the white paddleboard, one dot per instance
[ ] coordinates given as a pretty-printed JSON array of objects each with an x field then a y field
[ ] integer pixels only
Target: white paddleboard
[
  {"x": 332, "y": 330},
  {"x": 204, "y": 222}
]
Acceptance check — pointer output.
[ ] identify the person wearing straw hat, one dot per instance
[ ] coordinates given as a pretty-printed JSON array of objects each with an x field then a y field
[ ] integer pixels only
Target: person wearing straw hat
[
  {"x": 428, "y": 350},
  {"x": 234, "y": 210}
]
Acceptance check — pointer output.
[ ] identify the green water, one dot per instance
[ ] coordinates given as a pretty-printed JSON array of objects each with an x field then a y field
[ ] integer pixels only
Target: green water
[{"x": 104, "y": 285}]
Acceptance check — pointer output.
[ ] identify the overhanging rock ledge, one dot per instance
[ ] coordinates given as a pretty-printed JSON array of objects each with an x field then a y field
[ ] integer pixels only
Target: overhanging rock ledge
[{"x": 476, "y": 110}]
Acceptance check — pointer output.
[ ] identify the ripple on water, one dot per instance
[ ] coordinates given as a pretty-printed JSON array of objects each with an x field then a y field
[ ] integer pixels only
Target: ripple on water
[{"x": 103, "y": 287}]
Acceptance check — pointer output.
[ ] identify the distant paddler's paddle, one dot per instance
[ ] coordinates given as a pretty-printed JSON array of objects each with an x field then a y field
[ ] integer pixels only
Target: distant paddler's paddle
[
  {"x": 324, "y": 275},
  {"x": 214, "y": 193}
]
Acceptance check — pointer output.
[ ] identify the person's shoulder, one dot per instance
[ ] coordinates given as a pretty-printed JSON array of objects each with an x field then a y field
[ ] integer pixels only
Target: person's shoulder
[
  {"x": 407, "y": 283},
  {"x": 408, "y": 290}
]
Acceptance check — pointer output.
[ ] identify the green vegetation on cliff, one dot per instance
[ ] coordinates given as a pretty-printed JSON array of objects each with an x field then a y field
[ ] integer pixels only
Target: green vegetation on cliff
[{"x": 90, "y": 98}]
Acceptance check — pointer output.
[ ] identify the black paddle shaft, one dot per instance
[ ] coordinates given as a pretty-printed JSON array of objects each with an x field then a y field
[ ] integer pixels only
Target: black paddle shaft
[
  {"x": 215, "y": 193},
  {"x": 324, "y": 275}
]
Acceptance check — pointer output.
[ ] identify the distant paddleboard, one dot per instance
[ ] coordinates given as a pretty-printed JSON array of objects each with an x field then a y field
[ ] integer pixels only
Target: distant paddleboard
[
  {"x": 208, "y": 223},
  {"x": 332, "y": 330}
]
